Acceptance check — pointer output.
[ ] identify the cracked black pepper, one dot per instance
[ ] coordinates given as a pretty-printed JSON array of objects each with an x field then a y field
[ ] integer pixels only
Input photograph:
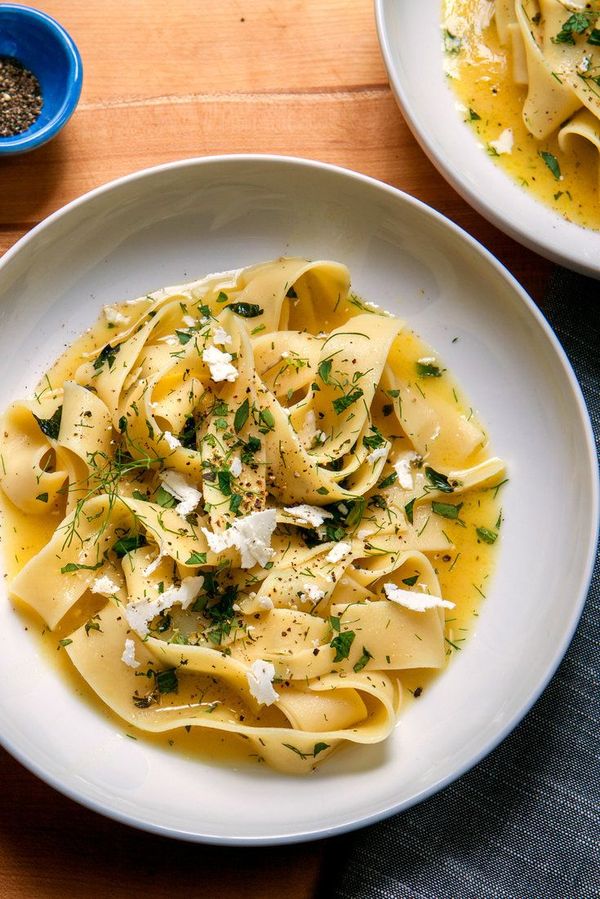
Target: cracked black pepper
[{"x": 20, "y": 97}]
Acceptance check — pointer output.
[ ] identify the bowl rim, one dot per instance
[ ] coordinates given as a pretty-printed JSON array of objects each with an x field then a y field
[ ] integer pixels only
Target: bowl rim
[
  {"x": 584, "y": 575},
  {"x": 547, "y": 246},
  {"x": 29, "y": 140}
]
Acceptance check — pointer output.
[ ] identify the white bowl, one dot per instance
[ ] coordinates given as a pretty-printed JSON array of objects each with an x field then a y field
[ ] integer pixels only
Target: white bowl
[
  {"x": 410, "y": 35},
  {"x": 182, "y": 220}
]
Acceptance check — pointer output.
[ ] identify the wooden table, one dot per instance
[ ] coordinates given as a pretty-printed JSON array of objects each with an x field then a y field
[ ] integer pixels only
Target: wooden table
[{"x": 165, "y": 80}]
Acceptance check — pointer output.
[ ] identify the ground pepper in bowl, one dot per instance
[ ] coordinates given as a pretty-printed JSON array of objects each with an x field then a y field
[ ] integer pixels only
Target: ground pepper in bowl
[{"x": 20, "y": 97}]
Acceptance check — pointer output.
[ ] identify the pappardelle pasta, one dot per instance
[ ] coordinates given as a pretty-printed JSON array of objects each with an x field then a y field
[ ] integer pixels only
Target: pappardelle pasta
[
  {"x": 252, "y": 492},
  {"x": 529, "y": 73}
]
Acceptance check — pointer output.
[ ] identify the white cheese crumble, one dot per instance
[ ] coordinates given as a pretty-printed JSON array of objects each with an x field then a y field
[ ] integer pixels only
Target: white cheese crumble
[
  {"x": 129, "y": 655},
  {"x": 151, "y": 568},
  {"x": 427, "y": 360},
  {"x": 186, "y": 495},
  {"x": 306, "y": 514},
  {"x": 172, "y": 441},
  {"x": 505, "y": 142},
  {"x": 250, "y": 535},
  {"x": 139, "y": 614},
  {"x": 337, "y": 553},
  {"x": 235, "y": 466},
  {"x": 309, "y": 429},
  {"x": 378, "y": 453},
  {"x": 265, "y": 602},
  {"x": 416, "y": 602},
  {"x": 312, "y": 592},
  {"x": 219, "y": 364},
  {"x": 114, "y": 317},
  {"x": 189, "y": 321},
  {"x": 221, "y": 336},
  {"x": 403, "y": 471},
  {"x": 285, "y": 355},
  {"x": 104, "y": 586},
  {"x": 260, "y": 681}
]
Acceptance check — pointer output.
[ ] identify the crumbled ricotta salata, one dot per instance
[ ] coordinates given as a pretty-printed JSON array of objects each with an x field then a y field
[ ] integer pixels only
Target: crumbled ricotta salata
[
  {"x": 221, "y": 336},
  {"x": 260, "y": 681},
  {"x": 265, "y": 602},
  {"x": 189, "y": 321},
  {"x": 312, "y": 592},
  {"x": 139, "y": 614},
  {"x": 104, "y": 586},
  {"x": 114, "y": 317},
  {"x": 219, "y": 364},
  {"x": 403, "y": 471},
  {"x": 172, "y": 441},
  {"x": 151, "y": 568},
  {"x": 129, "y": 655},
  {"x": 309, "y": 429},
  {"x": 251, "y": 536},
  {"x": 377, "y": 453},
  {"x": 235, "y": 466},
  {"x": 306, "y": 514},
  {"x": 427, "y": 360},
  {"x": 337, "y": 553},
  {"x": 416, "y": 602},
  {"x": 505, "y": 142},
  {"x": 186, "y": 495}
]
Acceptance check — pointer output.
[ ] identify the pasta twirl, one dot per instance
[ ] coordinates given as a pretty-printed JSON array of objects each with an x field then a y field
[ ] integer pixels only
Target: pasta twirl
[{"x": 252, "y": 487}]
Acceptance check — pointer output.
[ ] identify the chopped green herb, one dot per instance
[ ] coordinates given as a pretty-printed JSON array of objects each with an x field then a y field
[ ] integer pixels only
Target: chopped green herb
[
  {"x": 594, "y": 37},
  {"x": 65, "y": 642},
  {"x": 235, "y": 502},
  {"x": 374, "y": 440},
  {"x": 410, "y": 581},
  {"x": 70, "y": 567},
  {"x": 342, "y": 644},
  {"x": 196, "y": 558},
  {"x": 246, "y": 310},
  {"x": 93, "y": 624},
  {"x": 165, "y": 499},
  {"x": 428, "y": 370},
  {"x": 473, "y": 116},
  {"x": 224, "y": 480},
  {"x": 50, "y": 426},
  {"x": 128, "y": 543},
  {"x": 222, "y": 297},
  {"x": 183, "y": 336},
  {"x": 438, "y": 480},
  {"x": 552, "y": 163},
  {"x": 325, "y": 370},
  {"x": 166, "y": 681},
  {"x": 266, "y": 420},
  {"x": 387, "y": 482},
  {"x": 343, "y": 402},
  {"x": 409, "y": 509},
  {"x": 487, "y": 535},
  {"x": 108, "y": 355},
  {"x": 447, "y": 510},
  {"x": 360, "y": 664},
  {"x": 241, "y": 416},
  {"x": 334, "y": 621},
  {"x": 43, "y": 497}
]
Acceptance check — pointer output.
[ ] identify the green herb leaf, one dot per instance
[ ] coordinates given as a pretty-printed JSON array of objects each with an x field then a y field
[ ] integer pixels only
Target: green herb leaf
[
  {"x": 222, "y": 298},
  {"x": 447, "y": 510},
  {"x": 197, "y": 558},
  {"x": 343, "y": 402},
  {"x": 66, "y": 642},
  {"x": 319, "y": 747},
  {"x": 387, "y": 482},
  {"x": 224, "y": 480},
  {"x": 266, "y": 419},
  {"x": 235, "y": 502},
  {"x": 354, "y": 516},
  {"x": 108, "y": 355},
  {"x": 360, "y": 664},
  {"x": 428, "y": 370},
  {"x": 473, "y": 116},
  {"x": 50, "y": 426},
  {"x": 92, "y": 625},
  {"x": 342, "y": 644},
  {"x": 410, "y": 581},
  {"x": 74, "y": 566},
  {"x": 594, "y": 37},
  {"x": 187, "y": 438},
  {"x": 552, "y": 163},
  {"x": 374, "y": 440},
  {"x": 246, "y": 310},
  {"x": 166, "y": 681},
  {"x": 183, "y": 336},
  {"x": 438, "y": 480},
  {"x": 128, "y": 543},
  {"x": 325, "y": 370},
  {"x": 43, "y": 497},
  {"x": 322, "y": 490},
  {"x": 334, "y": 621},
  {"x": 165, "y": 499},
  {"x": 409, "y": 509},
  {"x": 487, "y": 535},
  {"x": 241, "y": 416}
]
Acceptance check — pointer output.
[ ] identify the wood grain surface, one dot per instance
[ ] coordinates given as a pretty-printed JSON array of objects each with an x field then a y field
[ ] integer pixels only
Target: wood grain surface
[{"x": 164, "y": 81}]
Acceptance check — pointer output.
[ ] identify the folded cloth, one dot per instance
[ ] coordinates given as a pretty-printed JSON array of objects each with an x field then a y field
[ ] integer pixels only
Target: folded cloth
[{"x": 525, "y": 821}]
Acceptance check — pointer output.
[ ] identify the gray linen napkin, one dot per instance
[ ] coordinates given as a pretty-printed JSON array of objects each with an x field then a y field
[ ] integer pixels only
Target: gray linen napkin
[{"x": 525, "y": 821}]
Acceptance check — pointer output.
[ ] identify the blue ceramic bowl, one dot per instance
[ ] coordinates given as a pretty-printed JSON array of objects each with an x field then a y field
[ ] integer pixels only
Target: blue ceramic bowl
[{"x": 45, "y": 48}]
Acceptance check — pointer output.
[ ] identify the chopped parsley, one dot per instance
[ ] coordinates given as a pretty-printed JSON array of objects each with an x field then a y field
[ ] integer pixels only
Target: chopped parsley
[
  {"x": 342, "y": 644},
  {"x": 343, "y": 402},
  {"x": 552, "y": 163},
  {"x": 246, "y": 310},
  {"x": 50, "y": 426},
  {"x": 360, "y": 664},
  {"x": 447, "y": 510},
  {"x": 108, "y": 355},
  {"x": 487, "y": 535}
]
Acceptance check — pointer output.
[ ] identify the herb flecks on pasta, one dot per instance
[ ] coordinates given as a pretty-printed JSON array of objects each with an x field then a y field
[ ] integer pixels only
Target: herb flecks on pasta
[{"x": 251, "y": 507}]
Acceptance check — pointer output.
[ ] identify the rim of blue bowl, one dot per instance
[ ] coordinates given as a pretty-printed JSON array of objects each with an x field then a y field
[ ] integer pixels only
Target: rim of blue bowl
[{"x": 29, "y": 140}]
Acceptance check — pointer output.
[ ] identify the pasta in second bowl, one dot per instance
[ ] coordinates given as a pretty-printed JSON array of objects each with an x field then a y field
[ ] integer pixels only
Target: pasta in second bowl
[{"x": 254, "y": 505}]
